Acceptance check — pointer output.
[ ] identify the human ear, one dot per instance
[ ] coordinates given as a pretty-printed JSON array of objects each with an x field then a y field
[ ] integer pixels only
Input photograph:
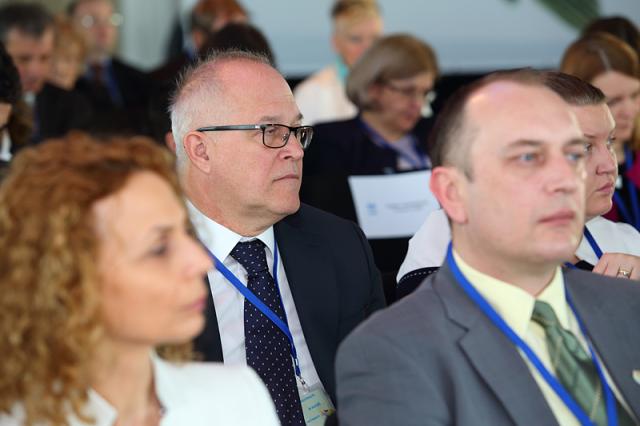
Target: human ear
[
  {"x": 448, "y": 185},
  {"x": 197, "y": 150}
]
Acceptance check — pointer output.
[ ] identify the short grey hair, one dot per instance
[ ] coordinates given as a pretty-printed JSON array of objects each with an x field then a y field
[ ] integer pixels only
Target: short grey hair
[{"x": 199, "y": 93}]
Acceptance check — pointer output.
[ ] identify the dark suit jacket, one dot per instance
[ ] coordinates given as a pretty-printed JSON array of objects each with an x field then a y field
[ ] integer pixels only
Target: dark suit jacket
[
  {"x": 345, "y": 148},
  {"x": 170, "y": 70},
  {"x": 434, "y": 358},
  {"x": 333, "y": 280},
  {"x": 56, "y": 111},
  {"x": 129, "y": 115}
]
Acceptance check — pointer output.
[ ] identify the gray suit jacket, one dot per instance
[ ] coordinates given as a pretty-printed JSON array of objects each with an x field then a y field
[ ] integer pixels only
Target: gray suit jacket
[{"x": 435, "y": 359}]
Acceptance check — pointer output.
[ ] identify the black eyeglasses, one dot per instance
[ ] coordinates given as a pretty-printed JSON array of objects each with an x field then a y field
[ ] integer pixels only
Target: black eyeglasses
[
  {"x": 412, "y": 92},
  {"x": 273, "y": 135}
]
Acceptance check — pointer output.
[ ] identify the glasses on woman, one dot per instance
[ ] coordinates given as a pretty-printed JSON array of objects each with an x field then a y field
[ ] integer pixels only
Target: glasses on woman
[{"x": 273, "y": 135}]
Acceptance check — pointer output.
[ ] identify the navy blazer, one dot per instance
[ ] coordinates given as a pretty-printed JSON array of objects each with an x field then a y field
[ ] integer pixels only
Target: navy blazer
[
  {"x": 333, "y": 280},
  {"x": 56, "y": 111},
  {"x": 129, "y": 110},
  {"x": 345, "y": 148}
]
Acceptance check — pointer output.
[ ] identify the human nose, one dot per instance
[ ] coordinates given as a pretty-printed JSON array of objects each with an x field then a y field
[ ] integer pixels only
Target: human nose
[
  {"x": 564, "y": 174},
  {"x": 293, "y": 148},
  {"x": 606, "y": 160}
]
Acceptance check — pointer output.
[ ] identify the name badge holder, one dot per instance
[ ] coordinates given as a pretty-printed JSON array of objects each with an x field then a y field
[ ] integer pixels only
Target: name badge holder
[
  {"x": 377, "y": 139},
  {"x": 316, "y": 405},
  {"x": 557, "y": 387},
  {"x": 594, "y": 245}
]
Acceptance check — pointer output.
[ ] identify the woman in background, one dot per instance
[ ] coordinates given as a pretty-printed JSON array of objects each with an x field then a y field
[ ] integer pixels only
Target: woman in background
[
  {"x": 69, "y": 54},
  {"x": 611, "y": 65},
  {"x": 390, "y": 85},
  {"x": 97, "y": 269}
]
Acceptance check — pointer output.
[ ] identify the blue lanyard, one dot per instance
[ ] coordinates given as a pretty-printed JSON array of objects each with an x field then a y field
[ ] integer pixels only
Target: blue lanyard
[
  {"x": 497, "y": 320},
  {"x": 377, "y": 139},
  {"x": 259, "y": 304},
  {"x": 592, "y": 242},
  {"x": 632, "y": 217},
  {"x": 594, "y": 245}
]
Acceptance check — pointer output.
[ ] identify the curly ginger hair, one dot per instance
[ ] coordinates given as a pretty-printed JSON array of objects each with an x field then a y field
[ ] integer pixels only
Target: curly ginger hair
[{"x": 50, "y": 323}]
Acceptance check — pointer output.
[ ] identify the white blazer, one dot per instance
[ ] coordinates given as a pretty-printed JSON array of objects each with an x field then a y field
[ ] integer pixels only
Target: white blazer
[{"x": 194, "y": 394}]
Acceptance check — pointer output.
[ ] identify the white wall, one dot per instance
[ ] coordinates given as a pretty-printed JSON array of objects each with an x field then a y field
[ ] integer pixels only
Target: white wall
[{"x": 468, "y": 35}]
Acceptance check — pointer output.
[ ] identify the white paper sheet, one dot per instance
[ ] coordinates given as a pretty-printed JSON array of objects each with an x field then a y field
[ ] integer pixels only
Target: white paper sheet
[{"x": 392, "y": 206}]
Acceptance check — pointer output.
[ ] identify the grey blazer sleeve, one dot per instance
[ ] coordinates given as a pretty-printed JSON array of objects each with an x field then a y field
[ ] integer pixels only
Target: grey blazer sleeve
[{"x": 379, "y": 384}]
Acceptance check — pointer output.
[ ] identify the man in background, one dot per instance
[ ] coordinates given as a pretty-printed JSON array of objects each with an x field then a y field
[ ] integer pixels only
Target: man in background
[
  {"x": 27, "y": 33},
  {"x": 357, "y": 24},
  {"x": 118, "y": 92}
]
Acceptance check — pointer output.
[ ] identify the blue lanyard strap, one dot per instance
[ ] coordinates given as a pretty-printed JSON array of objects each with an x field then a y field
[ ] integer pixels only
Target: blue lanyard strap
[
  {"x": 377, "y": 139},
  {"x": 594, "y": 245},
  {"x": 557, "y": 387},
  {"x": 592, "y": 242},
  {"x": 259, "y": 304},
  {"x": 633, "y": 216}
]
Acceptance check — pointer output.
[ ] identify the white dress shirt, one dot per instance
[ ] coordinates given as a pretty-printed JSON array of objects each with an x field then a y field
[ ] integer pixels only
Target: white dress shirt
[
  {"x": 229, "y": 302},
  {"x": 5, "y": 145},
  {"x": 322, "y": 97},
  {"x": 612, "y": 237},
  {"x": 194, "y": 394},
  {"x": 428, "y": 247}
]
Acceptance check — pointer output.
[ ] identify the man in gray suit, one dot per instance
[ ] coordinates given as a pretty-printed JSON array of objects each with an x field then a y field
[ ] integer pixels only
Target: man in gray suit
[{"x": 502, "y": 334}]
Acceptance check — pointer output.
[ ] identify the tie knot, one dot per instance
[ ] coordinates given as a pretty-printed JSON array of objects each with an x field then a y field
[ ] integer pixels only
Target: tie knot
[
  {"x": 544, "y": 315},
  {"x": 251, "y": 256}
]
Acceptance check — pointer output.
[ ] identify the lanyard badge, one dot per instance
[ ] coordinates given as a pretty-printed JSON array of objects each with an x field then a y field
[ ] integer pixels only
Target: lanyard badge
[{"x": 557, "y": 387}]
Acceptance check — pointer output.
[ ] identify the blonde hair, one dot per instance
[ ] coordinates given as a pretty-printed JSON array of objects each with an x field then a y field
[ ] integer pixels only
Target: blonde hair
[
  {"x": 66, "y": 36},
  {"x": 50, "y": 323},
  {"x": 352, "y": 9}
]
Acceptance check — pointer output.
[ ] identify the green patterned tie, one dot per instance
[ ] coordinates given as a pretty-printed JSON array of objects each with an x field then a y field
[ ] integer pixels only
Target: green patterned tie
[{"x": 574, "y": 367}]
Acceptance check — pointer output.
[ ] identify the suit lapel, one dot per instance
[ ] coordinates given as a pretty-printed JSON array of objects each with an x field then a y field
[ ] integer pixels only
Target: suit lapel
[
  {"x": 312, "y": 280},
  {"x": 493, "y": 356},
  {"x": 604, "y": 321}
]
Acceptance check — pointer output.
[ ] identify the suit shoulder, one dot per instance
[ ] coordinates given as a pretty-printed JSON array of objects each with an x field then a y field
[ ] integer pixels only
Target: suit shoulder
[
  {"x": 349, "y": 126},
  {"x": 419, "y": 313},
  {"x": 200, "y": 393},
  {"x": 119, "y": 64},
  {"x": 212, "y": 378},
  {"x": 318, "y": 219},
  {"x": 598, "y": 287}
]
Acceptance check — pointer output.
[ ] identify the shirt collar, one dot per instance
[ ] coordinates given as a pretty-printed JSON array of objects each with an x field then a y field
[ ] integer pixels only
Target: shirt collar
[
  {"x": 512, "y": 303},
  {"x": 221, "y": 240}
]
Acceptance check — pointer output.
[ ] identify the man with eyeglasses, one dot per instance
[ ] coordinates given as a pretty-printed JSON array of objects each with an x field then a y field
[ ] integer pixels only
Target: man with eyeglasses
[
  {"x": 27, "y": 32},
  {"x": 118, "y": 92},
  {"x": 290, "y": 281}
]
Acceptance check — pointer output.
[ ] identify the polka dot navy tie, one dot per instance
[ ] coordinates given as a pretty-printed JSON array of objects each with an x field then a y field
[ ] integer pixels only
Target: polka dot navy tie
[{"x": 268, "y": 349}]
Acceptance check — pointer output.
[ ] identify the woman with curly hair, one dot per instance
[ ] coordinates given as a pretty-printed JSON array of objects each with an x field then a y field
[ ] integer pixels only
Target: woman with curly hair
[{"x": 97, "y": 269}]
